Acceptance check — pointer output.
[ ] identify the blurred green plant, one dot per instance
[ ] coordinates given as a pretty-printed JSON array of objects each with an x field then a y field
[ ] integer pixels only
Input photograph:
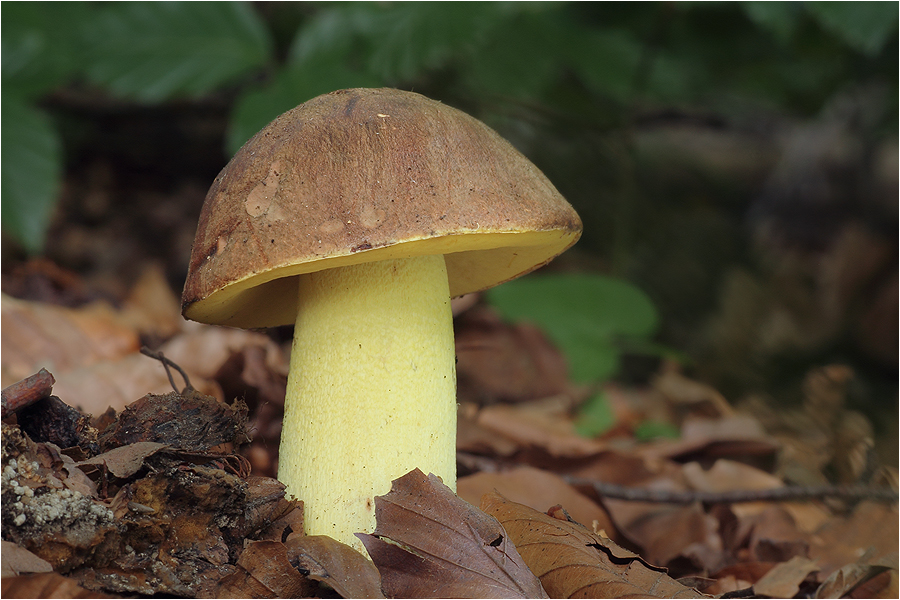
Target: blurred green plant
[
  {"x": 593, "y": 319},
  {"x": 588, "y": 59}
]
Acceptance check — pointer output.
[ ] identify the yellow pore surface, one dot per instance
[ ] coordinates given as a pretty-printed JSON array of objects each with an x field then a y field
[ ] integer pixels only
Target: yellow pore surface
[{"x": 372, "y": 389}]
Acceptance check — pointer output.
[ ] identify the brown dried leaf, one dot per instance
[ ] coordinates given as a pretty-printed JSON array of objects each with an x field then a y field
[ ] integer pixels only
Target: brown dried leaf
[
  {"x": 739, "y": 576},
  {"x": 124, "y": 461},
  {"x": 837, "y": 543},
  {"x": 572, "y": 562},
  {"x": 151, "y": 306},
  {"x": 203, "y": 349},
  {"x": 430, "y": 543},
  {"x": 35, "y": 335},
  {"x": 345, "y": 570},
  {"x": 849, "y": 577},
  {"x": 775, "y": 536},
  {"x": 45, "y": 585},
  {"x": 269, "y": 514},
  {"x": 500, "y": 362},
  {"x": 265, "y": 572},
  {"x": 17, "y": 560},
  {"x": 784, "y": 580},
  {"x": 537, "y": 489},
  {"x": 539, "y": 425},
  {"x": 684, "y": 392},
  {"x": 729, "y": 436},
  {"x": 117, "y": 383}
]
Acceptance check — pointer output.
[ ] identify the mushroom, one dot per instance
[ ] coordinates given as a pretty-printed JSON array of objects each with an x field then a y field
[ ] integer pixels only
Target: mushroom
[{"x": 357, "y": 216}]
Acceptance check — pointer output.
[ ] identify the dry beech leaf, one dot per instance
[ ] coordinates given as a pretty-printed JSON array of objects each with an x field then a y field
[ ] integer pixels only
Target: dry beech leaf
[
  {"x": 45, "y": 585},
  {"x": 265, "y": 572},
  {"x": 737, "y": 435},
  {"x": 124, "y": 461},
  {"x": 117, "y": 383},
  {"x": 837, "y": 543},
  {"x": 572, "y": 562},
  {"x": 429, "y": 543},
  {"x": 537, "y": 489},
  {"x": 17, "y": 560},
  {"x": 532, "y": 424},
  {"x": 345, "y": 570},
  {"x": 784, "y": 580},
  {"x": 35, "y": 335},
  {"x": 500, "y": 362},
  {"x": 849, "y": 577},
  {"x": 151, "y": 306}
]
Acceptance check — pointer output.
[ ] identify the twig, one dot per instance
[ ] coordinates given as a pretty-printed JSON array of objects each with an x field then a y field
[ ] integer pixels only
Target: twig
[
  {"x": 158, "y": 355},
  {"x": 27, "y": 392},
  {"x": 791, "y": 492}
]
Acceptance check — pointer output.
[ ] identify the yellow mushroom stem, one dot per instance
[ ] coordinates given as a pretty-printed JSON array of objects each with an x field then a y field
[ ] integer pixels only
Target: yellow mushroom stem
[{"x": 371, "y": 392}]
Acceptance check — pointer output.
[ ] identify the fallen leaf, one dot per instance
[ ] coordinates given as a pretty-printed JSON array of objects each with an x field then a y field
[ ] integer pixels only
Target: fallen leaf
[
  {"x": 738, "y": 435},
  {"x": 17, "y": 560},
  {"x": 739, "y": 576},
  {"x": 35, "y": 335},
  {"x": 429, "y": 543},
  {"x": 345, "y": 570},
  {"x": 572, "y": 562},
  {"x": 502, "y": 362},
  {"x": 151, "y": 307},
  {"x": 265, "y": 572},
  {"x": 45, "y": 585},
  {"x": 843, "y": 581},
  {"x": 124, "y": 461},
  {"x": 885, "y": 585},
  {"x": 117, "y": 383},
  {"x": 784, "y": 580},
  {"x": 684, "y": 392},
  {"x": 838, "y": 542},
  {"x": 775, "y": 537},
  {"x": 537, "y": 489},
  {"x": 534, "y": 424}
]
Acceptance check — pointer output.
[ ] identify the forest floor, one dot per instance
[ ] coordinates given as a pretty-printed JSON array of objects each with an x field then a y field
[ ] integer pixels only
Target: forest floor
[{"x": 127, "y": 496}]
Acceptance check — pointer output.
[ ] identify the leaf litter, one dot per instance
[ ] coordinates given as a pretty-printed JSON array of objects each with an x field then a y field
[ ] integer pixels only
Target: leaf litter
[{"x": 173, "y": 493}]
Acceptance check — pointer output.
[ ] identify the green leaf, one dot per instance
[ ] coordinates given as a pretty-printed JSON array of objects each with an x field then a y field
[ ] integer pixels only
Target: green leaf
[
  {"x": 31, "y": 172},
  {"x": 779, "y": 18},
  {"x": 864, "y": 26},
  {"x": 650, "y": 430},
  {"x": 586, "y": 315},
  {"x": 595, "y": 417},
  {"x": 153, "y": 51},
  {"x": 607, "y": 60},
  {"x": 41, "y": 48},
  {"x": 413, "y": 37},
  {"x": 395, "y": 42},
  {"x": 520, "y": 57}
]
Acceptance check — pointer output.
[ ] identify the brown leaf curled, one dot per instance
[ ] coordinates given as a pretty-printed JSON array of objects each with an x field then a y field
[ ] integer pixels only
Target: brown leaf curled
[
  {"x": 572, "y": 562},
  {"x": 345, "y": 570},
  {"x": 429, "y": 543}
]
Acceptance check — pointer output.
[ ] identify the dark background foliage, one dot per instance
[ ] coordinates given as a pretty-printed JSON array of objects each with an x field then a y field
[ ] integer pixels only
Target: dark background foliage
[{"x": 737, "y": 162}]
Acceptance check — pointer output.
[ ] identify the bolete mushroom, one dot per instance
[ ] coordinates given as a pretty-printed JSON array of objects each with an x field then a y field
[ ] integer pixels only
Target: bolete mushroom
[{"x": 357, "y": 216}]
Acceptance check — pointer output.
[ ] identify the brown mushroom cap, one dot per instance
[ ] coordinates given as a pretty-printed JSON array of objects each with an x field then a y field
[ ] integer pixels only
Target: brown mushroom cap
[{"x": 364, "y": 175}]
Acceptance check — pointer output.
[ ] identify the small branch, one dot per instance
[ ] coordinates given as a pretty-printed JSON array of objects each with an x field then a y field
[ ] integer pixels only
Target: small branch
[
  {"x": 27, "y": 392},
  {"x": 158, "y": 355},
  {"x": 817, "y": 492}
]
